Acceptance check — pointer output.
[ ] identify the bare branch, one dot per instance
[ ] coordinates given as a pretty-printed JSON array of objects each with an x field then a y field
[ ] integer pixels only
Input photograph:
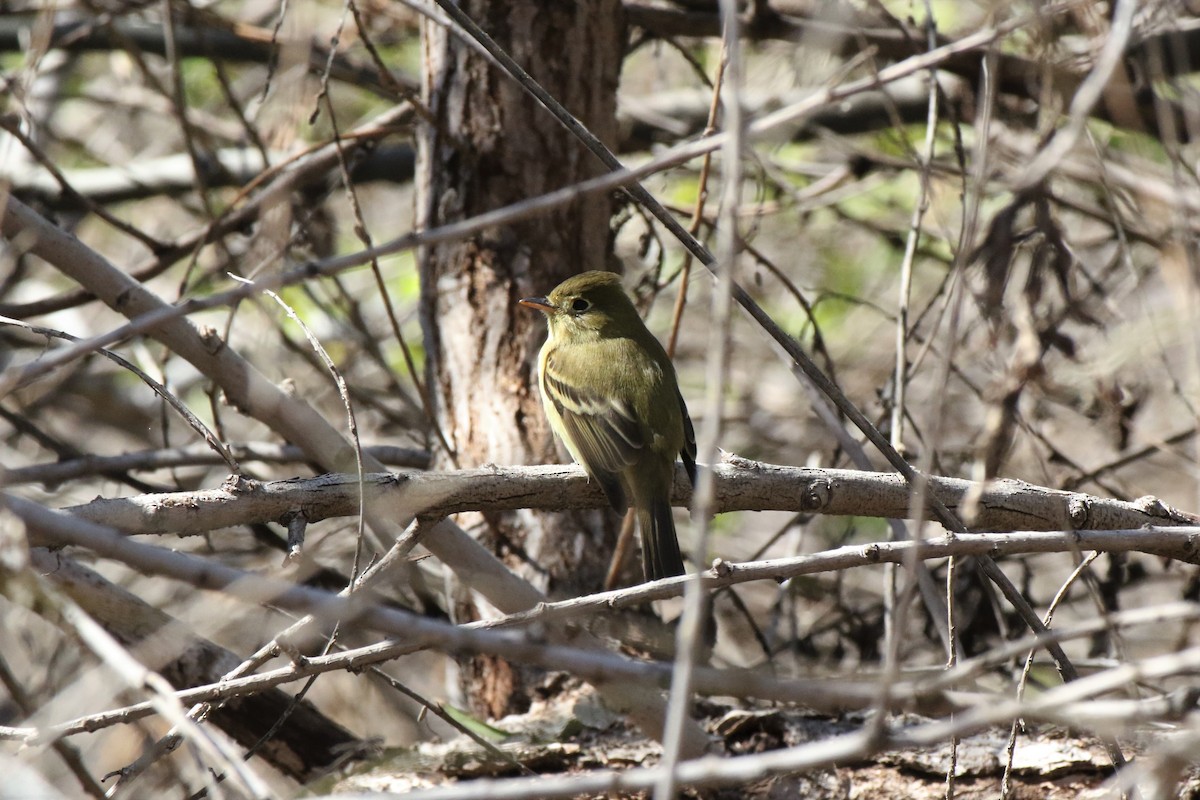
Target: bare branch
[{"x": 742, "y": 485}]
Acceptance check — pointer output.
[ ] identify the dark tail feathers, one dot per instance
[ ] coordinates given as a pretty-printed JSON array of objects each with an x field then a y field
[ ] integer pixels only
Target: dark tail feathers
[{"x": 660, "y": 547}]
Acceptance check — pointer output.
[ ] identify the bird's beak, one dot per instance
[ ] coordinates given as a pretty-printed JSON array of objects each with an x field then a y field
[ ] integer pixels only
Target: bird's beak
[{"x": 539, "y": 303}]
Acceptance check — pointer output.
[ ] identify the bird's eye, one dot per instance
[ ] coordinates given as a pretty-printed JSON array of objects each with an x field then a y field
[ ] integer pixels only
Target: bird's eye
[{"x": 579, "y": 305}]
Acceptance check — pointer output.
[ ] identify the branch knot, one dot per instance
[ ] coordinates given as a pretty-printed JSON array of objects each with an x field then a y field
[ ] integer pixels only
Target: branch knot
[
  {"x": 1079, "y": 510},
  {"x": 816, "y": 495}
]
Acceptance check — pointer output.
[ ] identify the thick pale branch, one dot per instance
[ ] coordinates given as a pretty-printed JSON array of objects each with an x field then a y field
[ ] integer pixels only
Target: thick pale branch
[{"x": 742, "y": 485}]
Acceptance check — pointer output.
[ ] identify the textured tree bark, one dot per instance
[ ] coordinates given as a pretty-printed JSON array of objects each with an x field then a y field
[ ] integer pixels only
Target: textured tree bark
[{"x": 493, "y": 145}]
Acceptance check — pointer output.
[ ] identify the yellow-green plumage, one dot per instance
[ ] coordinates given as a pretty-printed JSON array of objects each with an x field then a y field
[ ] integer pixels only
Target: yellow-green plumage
[{"x": 611, "y": 395}]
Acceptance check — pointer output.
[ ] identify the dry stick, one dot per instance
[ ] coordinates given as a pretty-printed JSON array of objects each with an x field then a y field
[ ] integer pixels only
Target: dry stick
[
  {"x": 697, "y": 611},
  {"x": 970, "y": 202},
  {"x": 1160, "y": 774},
  {"x": 1059, "y": 705},
  {"x": 895, "y": 615},
  {"x": 179, "y": 107},
  {"x": 360, "y": 228},
  {"x": 193, "y": 422},
  {"x": 351, "y": 419},
  {"x": 789, "y": 345},
  {"x": 67, "y": 752},
  {"x": 420, "y": 633},
  {"x": 323, "y": 92},
  {"x": 66, "y": 613},
  {"x": 924, "y": 695},
  {"x": 1180, "y": 543},
  {"x": 685, "y": 271},
  {"x": 952, "y": 661},
  {"x": 438, "y": 709},
  {"x": 1180, "y": 174},
  {"x": 1131, "y": 455},
  {"x": 914, "y": 569},
  {"x": 1085, "y": 99},
  {"x": 200, "y": 711},
  {"x": 622, "y": 550},
  {"x": 971, "y": 198},
  {"x": 12, "y": 126},
  {"x": 1010, "y": 749},
  {"x": 302, "y": 165}
]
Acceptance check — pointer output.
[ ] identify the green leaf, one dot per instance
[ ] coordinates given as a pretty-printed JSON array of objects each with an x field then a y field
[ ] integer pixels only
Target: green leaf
[{"x": 476, "y": 726}]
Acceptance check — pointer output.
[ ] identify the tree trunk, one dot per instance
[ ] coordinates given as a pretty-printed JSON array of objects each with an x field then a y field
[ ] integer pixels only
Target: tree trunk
[{"x": 494, "y": 145}]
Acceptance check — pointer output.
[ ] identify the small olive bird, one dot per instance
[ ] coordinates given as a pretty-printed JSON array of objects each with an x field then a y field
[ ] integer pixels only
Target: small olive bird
[{"x": 610, "y": 393}]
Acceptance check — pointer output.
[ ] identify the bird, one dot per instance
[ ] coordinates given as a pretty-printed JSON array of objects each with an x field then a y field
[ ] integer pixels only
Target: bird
[{"x": 610, "y": 393}]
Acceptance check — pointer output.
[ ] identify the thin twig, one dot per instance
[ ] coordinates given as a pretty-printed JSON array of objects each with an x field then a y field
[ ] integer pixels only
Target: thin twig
[{"x": 697, "y": 609}]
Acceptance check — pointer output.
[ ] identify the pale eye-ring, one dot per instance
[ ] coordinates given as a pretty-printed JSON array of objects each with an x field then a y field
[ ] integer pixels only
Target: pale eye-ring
[{"x": 579, "y": 305}]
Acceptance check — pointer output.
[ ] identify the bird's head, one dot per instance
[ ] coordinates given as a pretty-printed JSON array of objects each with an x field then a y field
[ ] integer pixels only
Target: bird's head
[{"x": 586, "y": 305}]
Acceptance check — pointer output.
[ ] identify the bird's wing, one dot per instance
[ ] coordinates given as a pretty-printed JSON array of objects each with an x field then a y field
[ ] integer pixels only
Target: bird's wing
[
  {"x": 603, "y": 432},
  {"x": 689, "y": 441}
]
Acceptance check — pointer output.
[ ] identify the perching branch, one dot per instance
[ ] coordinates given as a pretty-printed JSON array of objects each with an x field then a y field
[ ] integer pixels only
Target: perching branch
[{"x": 742, "y": 485}]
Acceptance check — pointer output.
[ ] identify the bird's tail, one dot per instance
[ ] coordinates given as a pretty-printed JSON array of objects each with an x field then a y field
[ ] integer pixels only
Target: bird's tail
[{"x": 660, "y": 546}]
